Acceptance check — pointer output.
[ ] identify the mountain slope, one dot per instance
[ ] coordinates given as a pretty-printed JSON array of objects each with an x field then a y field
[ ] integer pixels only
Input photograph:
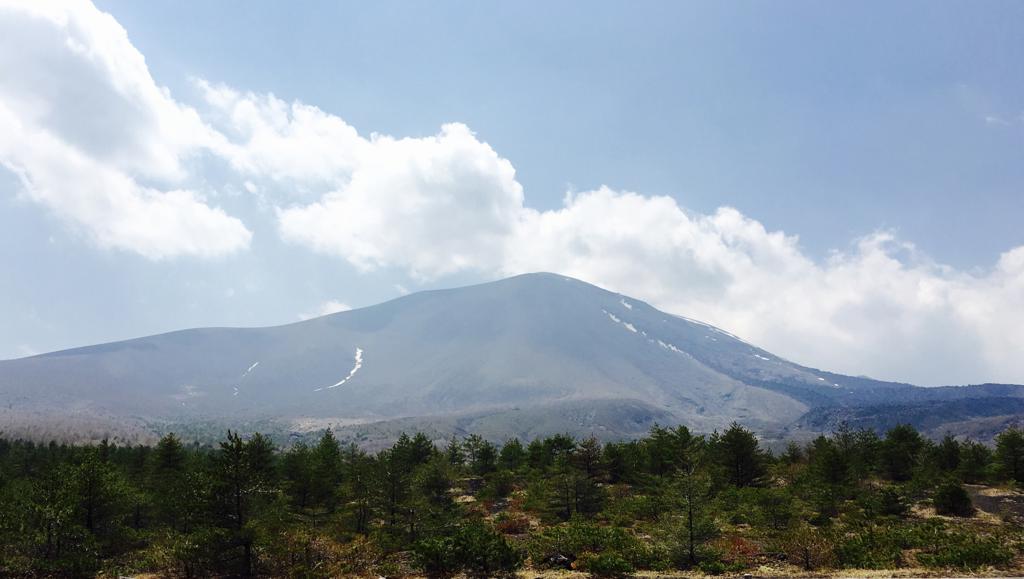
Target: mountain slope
[{"x": 522, "y": 345}]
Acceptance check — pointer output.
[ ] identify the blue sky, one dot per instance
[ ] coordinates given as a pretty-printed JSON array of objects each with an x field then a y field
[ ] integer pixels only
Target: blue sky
[{"x": 870, "y": 156}]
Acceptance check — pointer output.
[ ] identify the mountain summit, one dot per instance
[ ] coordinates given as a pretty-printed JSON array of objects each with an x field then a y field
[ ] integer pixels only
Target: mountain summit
[{"x": 521, "y": 356}]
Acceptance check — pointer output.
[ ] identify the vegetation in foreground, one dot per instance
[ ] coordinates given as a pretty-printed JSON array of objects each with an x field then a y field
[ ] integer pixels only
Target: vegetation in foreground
[{"x": 671, "y": 501}]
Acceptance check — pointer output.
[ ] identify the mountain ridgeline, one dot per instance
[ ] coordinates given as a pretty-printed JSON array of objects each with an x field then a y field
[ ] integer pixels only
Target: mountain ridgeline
[{"x": 522, "y": 357}]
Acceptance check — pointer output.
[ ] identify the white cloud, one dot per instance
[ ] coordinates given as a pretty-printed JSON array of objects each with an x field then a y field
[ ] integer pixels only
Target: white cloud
[
  {"x": 433, "y": 205},
  {"x": 878, "y": 308},
  {"x": 295, "y": 143},
  {"x": 96, "y": 140},
  {"x": 105, "y": 148},
  {"x": 326, "y": 308},
  {"x": 449, "y": 203}
]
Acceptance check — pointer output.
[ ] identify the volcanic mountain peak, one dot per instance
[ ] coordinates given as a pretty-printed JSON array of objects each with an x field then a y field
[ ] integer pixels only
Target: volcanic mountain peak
[{"x": 519, "y": 356}]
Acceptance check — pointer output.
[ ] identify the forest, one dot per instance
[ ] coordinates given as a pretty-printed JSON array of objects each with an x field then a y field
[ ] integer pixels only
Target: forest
[{"x": 672, "y": 502}]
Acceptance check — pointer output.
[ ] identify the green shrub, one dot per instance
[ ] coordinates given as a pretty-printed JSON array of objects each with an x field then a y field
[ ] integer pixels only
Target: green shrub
[
  {"x": 607, "y": 564},
  {"x": 967, "y": 552},
  {"x": 626, "y": 511},
  {"x": 808, "y": 547},
  {"x": 952, "y": 499},
  {"x": 887, "y": 502},
  {"x": 871, "y": 549},
  {"x": 511, "y": 524},
  {"x": 712, "y": 567},
  {"x": 918, "y": 535},
  {"x": 474, "y": 549},
  {"x": 436, "y": 556},
  {"x": 738, "y": 505},
  {"x": 777, "y": 508},
  {"x": 499, "y": 485},
  {"x": 576, "y": 537}
]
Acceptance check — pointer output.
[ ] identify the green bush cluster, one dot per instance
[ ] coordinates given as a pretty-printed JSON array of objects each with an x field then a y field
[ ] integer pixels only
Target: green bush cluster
[
  {"x": 569, "y": 542},
  {"x": 952, "y": 499},
  {"x": 607, "y": 564},
  {"x": 967, "y": 552},
  {"x": 869, "y": 549},
  {"x": 473, "y": 549}
]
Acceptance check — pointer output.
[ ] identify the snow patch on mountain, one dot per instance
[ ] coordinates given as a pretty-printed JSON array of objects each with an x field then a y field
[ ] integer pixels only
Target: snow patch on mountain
[
  {"x": 352, "y": 372},
  {"x": 250, "y": 369},
  {"x": 672, "y": 347},
  {"x": 619, "y": 320}
]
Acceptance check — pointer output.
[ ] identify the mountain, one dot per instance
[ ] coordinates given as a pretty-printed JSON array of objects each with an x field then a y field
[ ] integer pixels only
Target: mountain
[{"x": 528, "y": 355}]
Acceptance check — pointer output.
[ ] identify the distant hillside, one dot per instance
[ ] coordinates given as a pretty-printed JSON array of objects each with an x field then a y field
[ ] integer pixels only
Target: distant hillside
[{"x": 528, "y": 355}]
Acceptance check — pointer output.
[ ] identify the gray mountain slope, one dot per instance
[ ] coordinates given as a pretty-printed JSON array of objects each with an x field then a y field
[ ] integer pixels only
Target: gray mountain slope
[{"x": 508, "y": 350}]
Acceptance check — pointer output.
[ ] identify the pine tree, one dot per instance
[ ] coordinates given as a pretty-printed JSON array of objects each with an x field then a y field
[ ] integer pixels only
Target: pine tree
[
  {"x": 691, "y": 492},
  {"x": 326, "y": 467},
  {"x": 244, "y": 479},
  {"x": 739, "y": 455},
  {"x": 512, "y": 456},
  {"x": 358, "y": 487},
  {"x": 1010, "y": 454},
  {"x": 900, "y": 451},
  {"x": 669, "y": 450},
  {"x": 975, "y": 459},
  {"x": 167, "y": 479},
  {"x": 947, "y": 454},
  {"x": 297, "y": 469}
]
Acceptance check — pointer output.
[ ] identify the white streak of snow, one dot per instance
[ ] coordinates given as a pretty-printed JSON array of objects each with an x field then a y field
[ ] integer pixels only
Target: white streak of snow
[
  {"x": 626, "y": 304},
  {"x": 352, "y": 372},
  {"x": 671, "y": 347},
  {"x": 250, "y": 369},
  {"x": 618, "y": 320}
]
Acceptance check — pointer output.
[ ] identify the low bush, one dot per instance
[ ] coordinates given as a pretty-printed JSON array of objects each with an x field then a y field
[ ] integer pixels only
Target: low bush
[
  {"x": 498, "y": 485},
  {"x": 511, "y": 524},
  {"x": 713, "y": 567},
  {"x": 808, "y": 547},
  {"x": 962, "y": 551},
  {"x": 626, "y": 511},
  {"x": 869, "y": 549},
  {"x": 952, "y": 499},
  {"x": 886, "y": 502},
  {"x": 571, "y": 540},
  {"x": 607, "y": 564},
  {"x": 474, "y": 549}
]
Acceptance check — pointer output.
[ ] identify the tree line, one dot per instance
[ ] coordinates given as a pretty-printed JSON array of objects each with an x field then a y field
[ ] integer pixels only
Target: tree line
[{"x": 670, "y": 500}]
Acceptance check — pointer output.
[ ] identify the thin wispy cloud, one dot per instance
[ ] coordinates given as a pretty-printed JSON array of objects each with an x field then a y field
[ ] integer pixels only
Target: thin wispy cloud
[{"x": 325, "y": 309}]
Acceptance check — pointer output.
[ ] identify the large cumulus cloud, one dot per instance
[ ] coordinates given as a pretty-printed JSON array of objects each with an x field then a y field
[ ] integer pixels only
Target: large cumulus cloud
[
  {"x": 449, "y": 203},
  {"x": 93, "y": 138},
  {"x": 100, "y": 144}
]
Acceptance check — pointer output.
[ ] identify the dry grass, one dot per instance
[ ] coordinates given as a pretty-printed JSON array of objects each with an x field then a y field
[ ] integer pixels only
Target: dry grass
[{"x": 789, "y": 571}]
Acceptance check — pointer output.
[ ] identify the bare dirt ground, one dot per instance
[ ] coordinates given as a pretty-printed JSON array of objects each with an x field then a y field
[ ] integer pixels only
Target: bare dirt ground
[
  {"x": 1005, "y": 503},
  {"x": 790, "y": 572}
]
